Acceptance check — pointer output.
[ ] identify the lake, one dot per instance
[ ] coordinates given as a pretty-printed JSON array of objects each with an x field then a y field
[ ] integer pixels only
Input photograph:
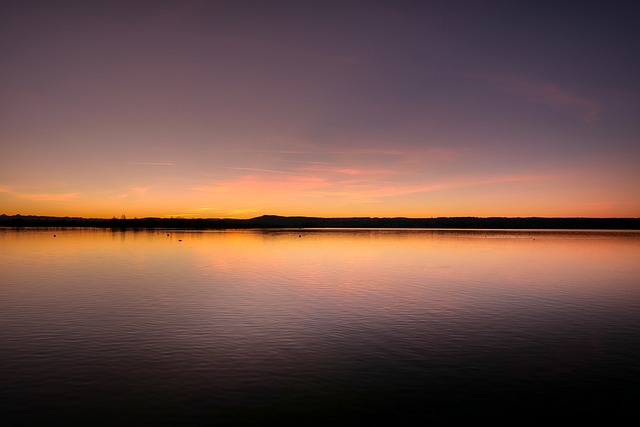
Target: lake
[{"x": 324, "y": 327}]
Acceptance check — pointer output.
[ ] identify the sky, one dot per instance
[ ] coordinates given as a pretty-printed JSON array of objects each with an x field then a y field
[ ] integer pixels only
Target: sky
[{"x": 236, "y": 109}]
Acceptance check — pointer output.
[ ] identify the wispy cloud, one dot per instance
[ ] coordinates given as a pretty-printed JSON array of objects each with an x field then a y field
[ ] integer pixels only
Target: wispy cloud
[
  {"x": 407, "y": 156},
  {"x": 378, "y": 190},
  {"x": 551, "y": 95},
  {"x": 48, "y": 197},
  {"x": 267, "y": 151},
  {"x": 307, "y": 162},
  {"x": 43, "y": 197},
  {"x": 260, "y": 170},
  {"x": 124, "y": 193},
  {"x": 301, "y": 176},
  {"x": 349, "y": 171},
  {"x": 246, "y": 182},
  {"x": 140, "y": 191},
  {"x": 151, "y": 163},
  {"x": 474, "y": 181},
  {"x": 292, "y": 186}
]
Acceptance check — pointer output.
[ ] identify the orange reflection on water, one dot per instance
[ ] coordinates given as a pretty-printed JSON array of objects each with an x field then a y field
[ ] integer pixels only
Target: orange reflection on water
[
  {"x": 342, "y": 262},
  {"x": 388, "y": 265}
]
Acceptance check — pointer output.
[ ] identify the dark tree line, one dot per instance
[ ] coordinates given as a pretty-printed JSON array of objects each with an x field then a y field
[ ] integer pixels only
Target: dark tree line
[{"x": 272, "y": 221}]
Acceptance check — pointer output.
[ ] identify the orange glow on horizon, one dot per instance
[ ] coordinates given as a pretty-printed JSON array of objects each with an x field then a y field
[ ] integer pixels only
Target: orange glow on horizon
[{"x": 337, "y": 192}]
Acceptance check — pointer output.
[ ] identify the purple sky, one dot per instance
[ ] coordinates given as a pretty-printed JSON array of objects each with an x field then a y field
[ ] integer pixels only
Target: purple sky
[{"x": 329, "y": 108}]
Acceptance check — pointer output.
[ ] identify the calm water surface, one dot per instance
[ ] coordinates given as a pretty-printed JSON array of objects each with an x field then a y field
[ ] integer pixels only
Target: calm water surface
[{"x": 317, "y": 326}]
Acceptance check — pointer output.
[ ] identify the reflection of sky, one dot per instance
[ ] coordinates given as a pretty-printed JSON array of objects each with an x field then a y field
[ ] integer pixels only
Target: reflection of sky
[
  {"x": 338, "y": 265},
  {"x": 216, "y": 109}
]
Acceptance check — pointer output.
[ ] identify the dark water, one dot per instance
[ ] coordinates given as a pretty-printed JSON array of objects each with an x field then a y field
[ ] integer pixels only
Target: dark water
[{"x": 322, "y": 327}]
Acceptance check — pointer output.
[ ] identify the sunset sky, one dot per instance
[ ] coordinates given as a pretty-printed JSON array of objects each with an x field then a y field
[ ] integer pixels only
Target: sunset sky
[{"x": 320, "y": 108}]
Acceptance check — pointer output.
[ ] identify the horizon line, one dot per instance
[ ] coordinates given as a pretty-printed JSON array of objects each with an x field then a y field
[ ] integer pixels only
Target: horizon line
[{"x": 315, "y": 217}]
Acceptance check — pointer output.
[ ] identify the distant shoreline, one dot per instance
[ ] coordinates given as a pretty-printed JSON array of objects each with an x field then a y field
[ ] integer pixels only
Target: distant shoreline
[{"x": 275, "y": 221}]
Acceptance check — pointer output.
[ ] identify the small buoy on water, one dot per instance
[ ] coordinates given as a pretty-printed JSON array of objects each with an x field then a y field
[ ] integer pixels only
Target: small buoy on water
[
  {"x": 54, "y": 235},
  {"x": 179, "y": 240}
]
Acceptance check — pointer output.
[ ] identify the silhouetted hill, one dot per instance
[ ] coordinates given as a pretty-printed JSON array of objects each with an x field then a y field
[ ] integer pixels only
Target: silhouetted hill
[{"x": 274, "y": 221}]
